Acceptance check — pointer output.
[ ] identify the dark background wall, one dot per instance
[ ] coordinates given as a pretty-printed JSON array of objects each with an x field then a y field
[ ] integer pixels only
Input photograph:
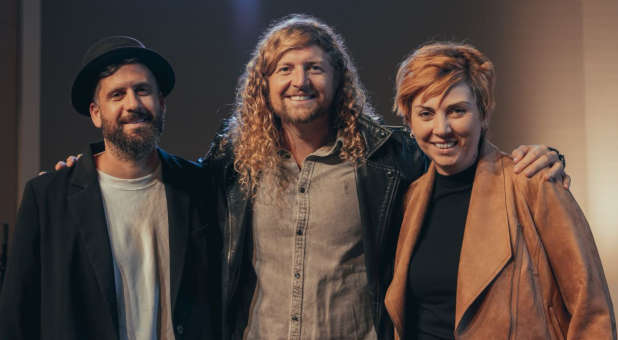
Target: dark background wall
[
  {"x": 209, "y": 42},
  {"x": 8, "y": 112}
]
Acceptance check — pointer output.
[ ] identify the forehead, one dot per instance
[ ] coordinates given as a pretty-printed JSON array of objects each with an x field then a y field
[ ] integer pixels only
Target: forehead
[
  {"x": 460, "y": 92},
  {"x": 128, "y": 75},
  {"x": 311, "y": 53}
]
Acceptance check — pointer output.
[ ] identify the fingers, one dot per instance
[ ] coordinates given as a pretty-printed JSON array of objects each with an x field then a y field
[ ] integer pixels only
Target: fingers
[
  {"x": 42, "y": 173},
  {"x": 60, "y": 165},
  {"x": 71, "y": 160},
  {"x": 556, "y": 172},
  {"x": 536, "y": 165},
  {"x": 526, "y": 157},
  {"x": 537, "y": 158},
  {"x": 566, "y": 181},
  {"x": 519, "y": 153},
  {"x": 534, "y": 158}
]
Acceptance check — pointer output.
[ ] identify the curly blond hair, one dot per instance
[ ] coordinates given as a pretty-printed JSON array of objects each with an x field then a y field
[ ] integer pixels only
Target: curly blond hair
[{"x": 255, "y": 131}]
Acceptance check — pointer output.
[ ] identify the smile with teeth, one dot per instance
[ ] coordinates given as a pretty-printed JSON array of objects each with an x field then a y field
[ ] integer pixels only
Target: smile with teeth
[
  {"x": 137, "y": 121},
  {"x": 300, "y": 98},
  {"x": 445, "y": 145}
]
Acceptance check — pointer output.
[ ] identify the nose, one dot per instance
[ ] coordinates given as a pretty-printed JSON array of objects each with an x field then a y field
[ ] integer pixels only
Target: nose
[
  {"x": 441, "y": 125},
  {"x": 299, "y": 78},
  {"x": 133, "y": 101}
]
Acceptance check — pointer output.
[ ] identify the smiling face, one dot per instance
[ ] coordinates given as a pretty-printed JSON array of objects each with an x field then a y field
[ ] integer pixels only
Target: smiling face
[
  {"x": 448, "y": 128},
  {"x": 130, "y": 110},
  {"x": 302, "y": 86}
]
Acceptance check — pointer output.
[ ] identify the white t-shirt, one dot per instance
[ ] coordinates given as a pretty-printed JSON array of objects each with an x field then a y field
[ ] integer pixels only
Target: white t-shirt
[{"x": 137, "y": 222}]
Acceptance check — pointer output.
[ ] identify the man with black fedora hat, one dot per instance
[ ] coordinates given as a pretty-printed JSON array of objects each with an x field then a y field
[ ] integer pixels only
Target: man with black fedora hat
[{"x": 119, "y": 246}]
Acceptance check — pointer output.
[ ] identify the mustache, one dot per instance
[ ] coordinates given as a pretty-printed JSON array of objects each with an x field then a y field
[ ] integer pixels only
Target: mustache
[{"x": 140, "y": 114}]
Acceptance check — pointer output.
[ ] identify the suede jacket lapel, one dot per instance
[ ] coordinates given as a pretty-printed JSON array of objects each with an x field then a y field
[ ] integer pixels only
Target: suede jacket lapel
[{"x": 486, "y": 247}]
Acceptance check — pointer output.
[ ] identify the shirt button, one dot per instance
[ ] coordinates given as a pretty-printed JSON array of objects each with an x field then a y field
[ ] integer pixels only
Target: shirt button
[
  {"x": 295, "y": 318},
  {"x": 299, "y": 232},
  {"x": 180, "y": 329},
  {"x": 302, "y": 189},
  {"x": 297, "y": 275}
]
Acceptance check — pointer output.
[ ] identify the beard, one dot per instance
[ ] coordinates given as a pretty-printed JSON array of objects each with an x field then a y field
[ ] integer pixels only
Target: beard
[
  {"x": 300, "y": 115},
  {"x": 141, "y": 141}
]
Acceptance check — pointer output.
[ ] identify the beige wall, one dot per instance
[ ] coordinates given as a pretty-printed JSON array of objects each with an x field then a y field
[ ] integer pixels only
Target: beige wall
[
  {"x": 600, "y": 56},
  {"x": 557, "y": 83},
  {"x": 540, "y": 86}
]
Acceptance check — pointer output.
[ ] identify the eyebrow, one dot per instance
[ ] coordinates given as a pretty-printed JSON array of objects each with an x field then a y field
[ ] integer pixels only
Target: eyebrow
[
  {"x": 122, "y": 87},
  {"x": 463, "y": 102},
  {"x": 312, "y": 61},
  {"x": 423, "y": 107},
  {"x": 114, "y": 89},
  {"x": 459, "y": 103}
]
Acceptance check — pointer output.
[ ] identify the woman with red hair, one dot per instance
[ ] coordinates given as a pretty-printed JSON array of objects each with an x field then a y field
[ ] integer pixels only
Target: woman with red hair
[{"x": 484, "y": 253}]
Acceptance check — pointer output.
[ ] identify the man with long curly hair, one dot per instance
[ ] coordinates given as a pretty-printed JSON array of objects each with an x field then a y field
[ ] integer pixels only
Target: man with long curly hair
[{"x": 311, "y": 192}]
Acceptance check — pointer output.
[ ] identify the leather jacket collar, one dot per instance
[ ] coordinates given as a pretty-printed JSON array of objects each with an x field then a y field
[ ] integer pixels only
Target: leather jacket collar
[{"x": 392, "y": 161}]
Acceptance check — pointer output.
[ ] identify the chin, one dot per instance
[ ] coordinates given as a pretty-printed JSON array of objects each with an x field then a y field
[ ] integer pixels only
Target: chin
[
  {"x": 301, "y": 118},
  {"x": 447, "y": 165}
]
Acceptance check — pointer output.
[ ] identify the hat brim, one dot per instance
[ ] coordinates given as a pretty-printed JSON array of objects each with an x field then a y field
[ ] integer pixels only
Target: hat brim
[{"x": 86, "y": 81}]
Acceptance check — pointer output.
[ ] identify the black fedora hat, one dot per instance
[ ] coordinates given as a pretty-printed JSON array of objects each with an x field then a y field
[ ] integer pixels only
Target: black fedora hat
[{"x": 112, "y": 50}]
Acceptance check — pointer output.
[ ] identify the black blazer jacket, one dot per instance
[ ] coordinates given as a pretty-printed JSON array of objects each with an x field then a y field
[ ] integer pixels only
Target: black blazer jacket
[{"x": 59, "y": 282}]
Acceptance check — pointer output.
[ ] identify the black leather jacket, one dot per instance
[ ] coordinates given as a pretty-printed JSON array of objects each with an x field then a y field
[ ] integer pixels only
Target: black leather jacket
[{"x": 393, "y": 161}]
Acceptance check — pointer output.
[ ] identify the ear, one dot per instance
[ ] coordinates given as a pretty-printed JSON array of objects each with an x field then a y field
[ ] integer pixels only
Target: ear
[
  {"x": 162, "y": 103},
  {"x": 95, "y": 114},
  {"x": 484, "y": 122},
  {"x": 409, "y": 124}
]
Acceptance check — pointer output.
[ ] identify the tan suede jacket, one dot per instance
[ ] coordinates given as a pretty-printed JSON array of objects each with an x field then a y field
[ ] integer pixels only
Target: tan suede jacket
[{"x": 528, "y": 269}]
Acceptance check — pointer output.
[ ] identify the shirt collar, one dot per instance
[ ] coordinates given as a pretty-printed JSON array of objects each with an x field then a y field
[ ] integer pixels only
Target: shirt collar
[{"x": 326, "y": 150}]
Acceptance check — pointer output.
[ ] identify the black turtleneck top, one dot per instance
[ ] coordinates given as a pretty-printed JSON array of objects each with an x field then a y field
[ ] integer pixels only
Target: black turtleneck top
[{"x": 432, "y": 278}]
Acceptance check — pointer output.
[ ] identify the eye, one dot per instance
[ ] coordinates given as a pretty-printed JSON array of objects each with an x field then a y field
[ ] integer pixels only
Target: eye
[
  {"x": 457, "y": 111},
  {"x": 424, "y": 114},
  {"x": 116, "y": 95},
  {"x": 285, "y": 69},
  {"x": 316, "y": 69},
  {"x": 143, "y": 91}
]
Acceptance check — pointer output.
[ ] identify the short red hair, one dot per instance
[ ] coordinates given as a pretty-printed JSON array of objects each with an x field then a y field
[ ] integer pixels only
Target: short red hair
[{"x": 437, "y": 67}]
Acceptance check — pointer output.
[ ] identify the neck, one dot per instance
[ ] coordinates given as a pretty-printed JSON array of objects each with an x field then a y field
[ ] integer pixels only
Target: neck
[
  {"x": 115, "y": 163},
  {"x": 304, "y": 138}
]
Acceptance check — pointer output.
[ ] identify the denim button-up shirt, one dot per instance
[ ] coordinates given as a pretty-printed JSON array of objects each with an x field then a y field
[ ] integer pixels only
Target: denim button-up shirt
[{"x": 308, "y": 253}]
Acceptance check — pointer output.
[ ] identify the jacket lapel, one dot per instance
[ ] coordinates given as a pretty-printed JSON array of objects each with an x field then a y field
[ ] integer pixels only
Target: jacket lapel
[
  {"x": 375, "y": 182},
  {"x": 416, "y": 201},
  {"x": 178, "y": 211},
  {"x": 86, "y": 205},
  {"x": 486, "y": 247}
]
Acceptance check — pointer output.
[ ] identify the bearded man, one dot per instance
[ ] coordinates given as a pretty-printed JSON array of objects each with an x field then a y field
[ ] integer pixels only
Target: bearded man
[
  {"x": 311, "y": 192},
  {"x": 116, "y": 247}
]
